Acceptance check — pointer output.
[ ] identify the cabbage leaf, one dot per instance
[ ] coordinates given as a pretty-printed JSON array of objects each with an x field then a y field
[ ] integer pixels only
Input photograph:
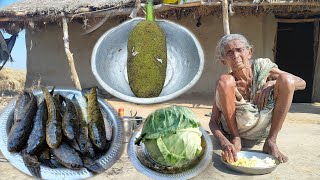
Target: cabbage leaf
[{"x": 172, "y": 136}]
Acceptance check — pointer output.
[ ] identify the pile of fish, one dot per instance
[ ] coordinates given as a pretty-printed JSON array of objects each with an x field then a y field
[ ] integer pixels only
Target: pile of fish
[{"x": 57, "y": 133}]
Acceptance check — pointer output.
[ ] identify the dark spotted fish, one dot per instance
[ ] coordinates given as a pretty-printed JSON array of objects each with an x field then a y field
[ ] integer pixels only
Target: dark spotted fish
[
  {"x": 32, "y": 163},
  {"x": 53, "y": 127},
  {"x": 37, "y": 138},
  {"x": 22, "y": 126},
  {"x": 44, "y": 157},
  {"x": 85, "y": 145},
  {"x": 47, "y": 159},
  {"x": 92, "y": 166},
  {"x": 96, "y": 125},
  {"x": 70, "y": 123},
  {"x": 67, "y": 156},
  {"x": 21, "y": 104},
  {"x": 58, "y": 101}
]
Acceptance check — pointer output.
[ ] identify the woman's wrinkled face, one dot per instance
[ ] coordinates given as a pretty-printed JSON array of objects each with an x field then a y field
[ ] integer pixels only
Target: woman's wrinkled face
[{"x": 236, "y": 55}]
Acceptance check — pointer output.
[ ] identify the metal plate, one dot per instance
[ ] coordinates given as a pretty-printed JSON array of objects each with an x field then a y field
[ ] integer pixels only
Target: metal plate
[
  {"x": 252, "y": 170},
  {"x": 186, "y": 174},
  {"x": 184, "y": 54},
  {"x": 106, "y": 161}
]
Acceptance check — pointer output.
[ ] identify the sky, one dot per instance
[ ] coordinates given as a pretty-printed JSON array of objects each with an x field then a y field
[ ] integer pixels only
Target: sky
[{"x": 18, "y": 52}]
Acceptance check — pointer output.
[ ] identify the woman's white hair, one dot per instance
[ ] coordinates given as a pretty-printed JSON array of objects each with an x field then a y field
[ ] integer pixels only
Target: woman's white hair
[{"x": 224, "y": 41}]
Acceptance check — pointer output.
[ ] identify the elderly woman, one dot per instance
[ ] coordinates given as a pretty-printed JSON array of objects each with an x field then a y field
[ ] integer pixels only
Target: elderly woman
[{"x": 252, "y": 101}]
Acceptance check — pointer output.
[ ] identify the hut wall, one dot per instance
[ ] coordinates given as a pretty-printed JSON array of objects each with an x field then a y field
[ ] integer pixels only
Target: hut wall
[{"x": 46, "y": 58}]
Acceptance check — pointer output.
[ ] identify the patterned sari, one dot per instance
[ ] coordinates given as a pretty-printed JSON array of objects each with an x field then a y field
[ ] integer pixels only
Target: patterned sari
[{"x": 252, "y": 123}]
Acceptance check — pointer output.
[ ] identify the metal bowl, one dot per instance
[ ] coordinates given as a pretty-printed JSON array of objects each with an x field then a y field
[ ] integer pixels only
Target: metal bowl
[
  {"x": 252, "y": 170},
  {"x": 184, "y": 173},
  {"x": 184, "y": 68},
  {"x": 129, "y": 125},
  {"x": 106, "y": 161}
]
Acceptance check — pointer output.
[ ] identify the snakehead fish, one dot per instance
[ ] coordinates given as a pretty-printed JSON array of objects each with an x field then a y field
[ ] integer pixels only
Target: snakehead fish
[
  {"x": 22, "y": 102},
  {"x": 67, "y": 156},
  {"x": 32, "y": 163},
  {"x": 53, "y": 127},
  {"x": 22, "y": 126},
  {"x": 97, "y": 132},
  {"x": 58, "y": 100},
  {"x": 47, "y": 159},
  {"x": 37, "y": 138},
  {"x": 70, "y": 123},
  {"x": 92, "y": 165},
  {"x": 85, "y": 145}
]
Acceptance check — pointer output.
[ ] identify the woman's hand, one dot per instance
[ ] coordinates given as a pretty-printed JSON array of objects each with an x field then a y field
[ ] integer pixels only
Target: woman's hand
[
  {"x": 229, "y": 150},
  {"x": 262, "y": 96}
]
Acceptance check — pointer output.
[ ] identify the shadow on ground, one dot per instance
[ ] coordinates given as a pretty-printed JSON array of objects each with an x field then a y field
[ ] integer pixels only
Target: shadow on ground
[
  {"x": 195, "y": 100},
  {"x": 313, "y": 108},
  {"x": 220, "y": 166}
]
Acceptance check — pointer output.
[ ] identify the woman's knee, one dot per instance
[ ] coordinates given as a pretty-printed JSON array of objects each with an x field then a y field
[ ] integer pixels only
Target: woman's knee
[
  {"x": 226, "y": 82},
  {"x": 286, "y": 81}
]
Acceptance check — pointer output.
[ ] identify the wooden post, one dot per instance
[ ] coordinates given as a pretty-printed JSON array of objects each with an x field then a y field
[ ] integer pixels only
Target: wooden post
[
  {"x": 74, "y": 75},
  {"x": 225, "y": 17}
]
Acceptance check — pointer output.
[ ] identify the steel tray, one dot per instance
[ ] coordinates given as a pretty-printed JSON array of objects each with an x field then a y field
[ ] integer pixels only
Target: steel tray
[
  {"x": 252, "y": 170},
  {"x": 106, "y": 161},
  {"x": 187, "y": 173}
]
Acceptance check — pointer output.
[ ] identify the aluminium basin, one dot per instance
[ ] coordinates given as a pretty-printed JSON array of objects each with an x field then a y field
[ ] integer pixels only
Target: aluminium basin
[{"x": 185, "y": 61}]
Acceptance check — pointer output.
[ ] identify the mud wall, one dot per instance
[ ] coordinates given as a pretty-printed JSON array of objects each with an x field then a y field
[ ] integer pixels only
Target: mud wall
[{"x": 47, "y": 61}]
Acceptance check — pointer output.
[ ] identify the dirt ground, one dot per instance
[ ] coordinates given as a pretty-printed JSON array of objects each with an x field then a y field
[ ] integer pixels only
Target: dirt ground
[{"x": 298, "y": 139}]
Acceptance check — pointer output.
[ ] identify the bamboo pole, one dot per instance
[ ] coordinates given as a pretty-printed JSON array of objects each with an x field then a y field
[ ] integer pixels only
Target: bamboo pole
[
  {"x": 225, "y": 17},
  {"x": 74, "y": 75}
]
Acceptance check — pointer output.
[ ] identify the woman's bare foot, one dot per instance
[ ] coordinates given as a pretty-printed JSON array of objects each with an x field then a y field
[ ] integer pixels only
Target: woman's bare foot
[{"x": 271, "y": 147}]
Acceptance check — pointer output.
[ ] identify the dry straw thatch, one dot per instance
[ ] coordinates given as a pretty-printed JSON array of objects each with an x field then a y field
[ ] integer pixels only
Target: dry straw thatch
[
  {"x": 54, "y": 7},
  {"x": 45, "y": 8},
  {"x": 30, "y": 13}
]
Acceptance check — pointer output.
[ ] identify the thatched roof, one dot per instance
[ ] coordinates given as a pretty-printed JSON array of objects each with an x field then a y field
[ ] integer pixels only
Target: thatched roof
[
  {"x": 37, "y": 10},
  {"x": 45, "y": 7}
]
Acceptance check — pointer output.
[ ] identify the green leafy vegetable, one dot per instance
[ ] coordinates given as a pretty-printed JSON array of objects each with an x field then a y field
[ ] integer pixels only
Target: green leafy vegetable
[{"x": 172, "y": 136}]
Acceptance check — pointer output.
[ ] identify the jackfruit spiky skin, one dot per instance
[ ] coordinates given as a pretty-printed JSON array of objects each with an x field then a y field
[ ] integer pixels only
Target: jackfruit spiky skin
[{"x": 147, "y": 59}]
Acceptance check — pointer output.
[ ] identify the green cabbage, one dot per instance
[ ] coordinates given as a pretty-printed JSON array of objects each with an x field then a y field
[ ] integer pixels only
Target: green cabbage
[{"x": 172, "y": 136}]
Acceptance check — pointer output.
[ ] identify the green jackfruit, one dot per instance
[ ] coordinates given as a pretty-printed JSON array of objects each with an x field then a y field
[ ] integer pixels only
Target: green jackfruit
[{"x": 147, "y": 58}]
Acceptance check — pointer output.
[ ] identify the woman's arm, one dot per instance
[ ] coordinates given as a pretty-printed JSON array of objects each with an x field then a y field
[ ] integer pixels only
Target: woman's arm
[
  {"x": 213, "y": 124},
  {"x": 228, "y": 149},
  {"x": 261, "y": 97},
  {"x": 300, "y": 84}
]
